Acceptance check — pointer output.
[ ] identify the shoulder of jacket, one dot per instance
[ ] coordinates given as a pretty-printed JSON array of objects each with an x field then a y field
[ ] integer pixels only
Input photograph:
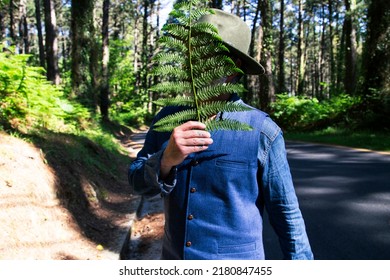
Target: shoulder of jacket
[
  {"x": 270, "y": 129},
  {"x": 267, "y": 126}
]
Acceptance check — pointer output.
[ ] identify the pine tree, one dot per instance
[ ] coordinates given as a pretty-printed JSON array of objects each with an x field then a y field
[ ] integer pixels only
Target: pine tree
[{"x": 192, "y": 61}]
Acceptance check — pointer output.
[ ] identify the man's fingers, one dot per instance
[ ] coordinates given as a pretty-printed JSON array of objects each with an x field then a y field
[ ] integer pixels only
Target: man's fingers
[
  {"x": 199, "y": 148},
  {"x": 191, "y": 129},
  {"x": 200, "y": 134},
  {"x": 192, "y": 125},
  {"x": 200, "y": 142}
]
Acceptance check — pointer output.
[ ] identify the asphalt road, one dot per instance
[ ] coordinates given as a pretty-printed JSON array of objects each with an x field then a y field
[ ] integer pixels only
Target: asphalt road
[{"x": 344, "y": 196}]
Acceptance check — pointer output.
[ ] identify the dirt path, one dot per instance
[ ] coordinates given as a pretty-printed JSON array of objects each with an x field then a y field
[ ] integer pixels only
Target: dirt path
[
  {"x": 143, "y": 241},
  {"x": 35, "y": 223}
]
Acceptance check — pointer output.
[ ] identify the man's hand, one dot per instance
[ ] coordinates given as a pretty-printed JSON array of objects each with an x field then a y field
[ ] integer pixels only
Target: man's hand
[{"x": 185, "y": 139}]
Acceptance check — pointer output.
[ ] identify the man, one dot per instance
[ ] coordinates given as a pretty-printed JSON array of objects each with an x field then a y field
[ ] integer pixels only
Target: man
[{"x": 216, "y": 185}]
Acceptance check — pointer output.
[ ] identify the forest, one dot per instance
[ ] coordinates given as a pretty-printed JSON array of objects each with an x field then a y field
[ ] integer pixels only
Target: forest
[{"x": 66, "y": 65}]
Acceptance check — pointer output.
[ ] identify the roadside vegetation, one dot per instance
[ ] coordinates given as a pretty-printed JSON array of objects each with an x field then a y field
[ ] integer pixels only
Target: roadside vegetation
[
  {"x": 33, "y": 108},
  {"x": 371, "y": 140},
  {"x": 342, "y": 120}
]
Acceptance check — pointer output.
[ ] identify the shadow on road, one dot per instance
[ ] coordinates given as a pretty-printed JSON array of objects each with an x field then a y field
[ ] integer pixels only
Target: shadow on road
[{"x": 344, "y": 196}]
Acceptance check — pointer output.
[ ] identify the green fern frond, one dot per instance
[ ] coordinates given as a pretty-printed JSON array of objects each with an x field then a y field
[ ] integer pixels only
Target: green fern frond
[
  {"x": 212, "y": 108},
  {"x": 203, "y": 40},
  {"x": 173, "y": 43},
  {"x": 175, "y": 101},
  {"x": 169, "y": 70},
  {"x": 209, "y": 92},
  {"x": 167, "y": 127},
  {"x": 169, "y": 58},
  {"x": 179, "y": 32},
  {"x": 173, "y": 88},
  {"x": 193, "y": 59},
  {"x": 206, "y": 30},
  {"x": 189, "y": 11},
  {"x": 205, "y": 78},
  {"x": 227, "y": 125},
  {"x": 213, "y": 63},
  {"x": 207, "y": 51},
  {"x": 177, "y": 118}
]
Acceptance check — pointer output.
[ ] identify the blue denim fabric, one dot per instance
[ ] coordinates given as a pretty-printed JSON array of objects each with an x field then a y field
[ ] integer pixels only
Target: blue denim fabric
[{"x": 239, "y": 175}]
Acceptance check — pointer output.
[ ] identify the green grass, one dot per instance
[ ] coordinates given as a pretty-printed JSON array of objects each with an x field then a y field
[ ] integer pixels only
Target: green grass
[{"x": 377, "y": 141}]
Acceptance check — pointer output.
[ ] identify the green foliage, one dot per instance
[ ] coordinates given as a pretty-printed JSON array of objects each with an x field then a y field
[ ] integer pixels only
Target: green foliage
[
  {"x": 297, "y": 113},
  {"x": 127, "y": 104},
  {"x": 28, "y": 100},
  {"x": 366, "y": 139},
  {"x": 192, "y": 61}
]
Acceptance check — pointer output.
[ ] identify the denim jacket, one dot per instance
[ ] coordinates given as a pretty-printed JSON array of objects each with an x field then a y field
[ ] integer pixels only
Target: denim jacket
[{"x": 214, "y": 201}]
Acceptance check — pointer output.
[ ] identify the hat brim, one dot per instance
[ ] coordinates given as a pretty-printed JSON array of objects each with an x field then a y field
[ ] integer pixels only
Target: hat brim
[{"x": 250, "y": 66}]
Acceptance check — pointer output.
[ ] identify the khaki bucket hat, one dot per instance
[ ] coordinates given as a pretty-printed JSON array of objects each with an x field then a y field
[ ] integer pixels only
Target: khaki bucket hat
[{"x": 237, "y": 36}]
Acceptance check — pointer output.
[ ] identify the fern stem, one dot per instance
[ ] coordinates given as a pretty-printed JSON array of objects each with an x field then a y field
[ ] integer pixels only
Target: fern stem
[{"x": 190, "y": 65}]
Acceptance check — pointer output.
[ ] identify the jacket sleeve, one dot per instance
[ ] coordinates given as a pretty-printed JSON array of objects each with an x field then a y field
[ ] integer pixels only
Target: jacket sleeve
[
  {"x": 144, "y": 171},
  {"x": 280, "y": 198}
]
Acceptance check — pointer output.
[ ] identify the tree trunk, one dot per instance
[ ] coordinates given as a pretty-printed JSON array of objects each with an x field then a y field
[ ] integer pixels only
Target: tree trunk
[
  {"x": 350, "y": 51},
  {"x": 2, "y": 22},
  {"x": 80, "y": 17},
  {"x": 332, "y": 69},
  {"x": 267, "y": 90},
  {"x": 301, "y": 56},
  {"x": 145, "y": 52},
  {"x": 76, "y": 37},
  {"x": 321, "y": 94},
  {"x": 53, "y": 73},
  {"x": 105, "y": 88},
  {"x": 41, "y": 47},
  {"x": 23, "y": 28},
  {"x": 11, "y": 9},
  {"x": 136, "y": 41},
  {"x": 154, "y": 95},
  {"x": 376, "y": 60},
  {"x": 94, "y": 54},
  {"x": 251, "y": 82},
  {"x": 339, "y": 62},
  {"x": 281, "y": 73}
]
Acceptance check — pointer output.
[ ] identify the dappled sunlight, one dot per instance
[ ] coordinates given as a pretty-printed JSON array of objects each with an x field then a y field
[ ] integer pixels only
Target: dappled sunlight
[
  {"x": 322, "y": 191},
  {"x": 373, "y": 205}
]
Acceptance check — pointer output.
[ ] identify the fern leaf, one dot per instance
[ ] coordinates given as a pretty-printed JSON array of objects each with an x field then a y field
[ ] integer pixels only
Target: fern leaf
[
  {"x": 175, "y": 101},
  {"x": 167, "y": 127},
  {"x": 209, "y": 92},
  {"x": 212, "y": 108},
  {"x": 169, "y": 70},
  {"x": 177, "y": 118},
  {"x": 193, "y": 58},
  {"x": 206, "y": 28},
  {"x": 227, "y": 125},
  {"x": 179, "y": 32},
  {"x": 213, "y": 63},
  {"x": 173, "y": 43},
  {"x": 173, "y": 88},
  {"x": 205, "y": 78},
  {"x": 202, "y": 52},
  {"x": 168, "y": 58}
]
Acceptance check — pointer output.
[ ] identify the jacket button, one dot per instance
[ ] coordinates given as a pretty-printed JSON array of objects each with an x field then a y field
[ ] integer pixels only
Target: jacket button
[
  {"x": 192, "y": 190},
  {"x": 194, "y": 162},
  {"x": 190, "y": 217},
  {"x": 188, "y": 244}
]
